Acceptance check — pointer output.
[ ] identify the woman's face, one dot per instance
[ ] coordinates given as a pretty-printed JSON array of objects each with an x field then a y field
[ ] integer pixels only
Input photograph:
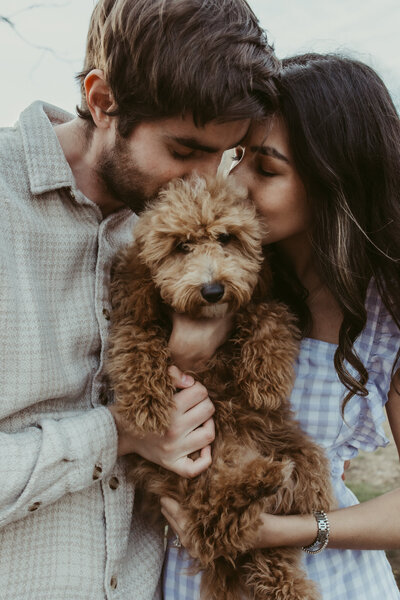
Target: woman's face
[{"x": 266, "y": 169}]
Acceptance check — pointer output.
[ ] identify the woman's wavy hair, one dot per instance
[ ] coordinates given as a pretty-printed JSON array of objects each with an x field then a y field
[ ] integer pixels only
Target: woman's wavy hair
[
  {"x": 163, "y": 58},
  {"x": 344, "y": 134}
]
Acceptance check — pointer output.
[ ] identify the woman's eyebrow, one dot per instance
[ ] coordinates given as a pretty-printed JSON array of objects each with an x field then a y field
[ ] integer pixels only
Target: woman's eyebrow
[{"x": 269, "y": 151}]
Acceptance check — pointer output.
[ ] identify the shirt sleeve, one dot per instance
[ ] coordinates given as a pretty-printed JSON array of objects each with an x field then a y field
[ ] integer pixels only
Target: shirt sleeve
[
  {"x": 382, "y": 338},
  {"x": 42, "y": 463},
  {"x": 383, "y": 353}
]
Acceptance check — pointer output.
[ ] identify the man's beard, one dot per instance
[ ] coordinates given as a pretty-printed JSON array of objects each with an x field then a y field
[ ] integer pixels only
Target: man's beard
[{"x": 123, "y": 178}]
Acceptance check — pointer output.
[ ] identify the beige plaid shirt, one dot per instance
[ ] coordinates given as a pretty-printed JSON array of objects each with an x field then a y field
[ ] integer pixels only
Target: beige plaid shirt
[{"x": 66, "y": 525}]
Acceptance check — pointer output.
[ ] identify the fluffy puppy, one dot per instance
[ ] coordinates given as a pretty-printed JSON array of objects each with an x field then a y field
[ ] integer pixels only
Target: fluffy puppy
[{"x": 198, "y": 251}]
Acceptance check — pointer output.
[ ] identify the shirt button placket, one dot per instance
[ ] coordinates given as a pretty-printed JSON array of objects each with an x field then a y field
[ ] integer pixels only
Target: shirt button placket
[
  {"x": 34, "y": 506},
  {"x": 113, "y": 483},
  {"x": 97, "y": 472}
]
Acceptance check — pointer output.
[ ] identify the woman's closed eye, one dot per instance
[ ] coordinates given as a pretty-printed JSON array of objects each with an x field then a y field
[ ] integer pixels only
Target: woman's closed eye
[
  {"x": 267, "y": 173},
  {"x": 268, "y": 166}
]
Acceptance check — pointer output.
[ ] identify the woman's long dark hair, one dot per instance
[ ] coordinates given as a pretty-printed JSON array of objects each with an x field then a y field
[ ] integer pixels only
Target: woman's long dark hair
[{"x": 344, "y": 134}]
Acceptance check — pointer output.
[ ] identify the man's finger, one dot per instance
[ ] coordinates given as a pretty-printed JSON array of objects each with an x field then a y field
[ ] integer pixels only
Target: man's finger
[
  {"x": 200, "y": 437},
  {"x": 179, "y": 379},
  {"x": 192, "y": 468},
  {"x": 198, "y": 415},
  {"x": 186, "y": 399}
]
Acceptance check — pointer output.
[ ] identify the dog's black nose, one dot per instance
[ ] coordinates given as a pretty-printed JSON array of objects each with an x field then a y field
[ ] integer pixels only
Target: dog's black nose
[{"x": 212, "y": 292}]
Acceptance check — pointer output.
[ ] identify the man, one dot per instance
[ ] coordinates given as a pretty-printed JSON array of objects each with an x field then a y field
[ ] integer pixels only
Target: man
[{"x": 167, "y": 87}]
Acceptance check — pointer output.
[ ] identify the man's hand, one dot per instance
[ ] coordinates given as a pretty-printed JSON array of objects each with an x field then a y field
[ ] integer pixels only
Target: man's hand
[
  {"x": 191, "y": 430},
  {"x": 194, "y": 341}
]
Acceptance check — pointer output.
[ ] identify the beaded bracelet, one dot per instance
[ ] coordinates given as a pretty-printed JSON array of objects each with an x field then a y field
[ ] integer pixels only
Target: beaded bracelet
[{"x": 322, "y": 539}]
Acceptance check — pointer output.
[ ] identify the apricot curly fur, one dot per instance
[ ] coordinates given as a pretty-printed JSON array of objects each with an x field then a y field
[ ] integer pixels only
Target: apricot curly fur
[{"x": 199, "y": 232}]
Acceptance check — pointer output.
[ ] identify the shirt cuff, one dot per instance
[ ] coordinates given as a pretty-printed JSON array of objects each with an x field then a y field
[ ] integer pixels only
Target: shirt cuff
[{"x": 92, "y": 444}]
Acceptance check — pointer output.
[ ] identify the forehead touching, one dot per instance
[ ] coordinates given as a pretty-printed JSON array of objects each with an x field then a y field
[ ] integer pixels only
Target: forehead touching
[
  {"x": 213, "y": 137},
  {"x": 269, "y": 138}
]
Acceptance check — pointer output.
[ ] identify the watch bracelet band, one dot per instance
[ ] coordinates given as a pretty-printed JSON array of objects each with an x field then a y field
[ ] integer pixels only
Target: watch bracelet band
[{"x": 322, "y": 539}]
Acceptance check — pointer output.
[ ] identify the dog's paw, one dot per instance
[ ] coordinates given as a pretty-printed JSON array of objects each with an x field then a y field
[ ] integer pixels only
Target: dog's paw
[
  {"x": 259, "y": 478},
  {"x": 267, "y": 477}
]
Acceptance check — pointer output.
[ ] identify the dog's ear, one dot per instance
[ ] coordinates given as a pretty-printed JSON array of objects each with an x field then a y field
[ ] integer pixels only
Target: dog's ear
[
  {"x": 268, "y": 339},
  {"x": 153, "y": 237},
  {"x": 132, "y": 290}
]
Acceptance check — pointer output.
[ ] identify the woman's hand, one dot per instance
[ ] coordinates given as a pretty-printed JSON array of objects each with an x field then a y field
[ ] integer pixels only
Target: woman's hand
[
  {"x": 274, "y": 531},
  {"x": 176, "y": 518},
  {"x": 194, "y": 341}
]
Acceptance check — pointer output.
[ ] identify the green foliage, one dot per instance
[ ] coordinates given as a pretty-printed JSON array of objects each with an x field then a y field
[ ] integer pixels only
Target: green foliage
[{"x": 366, "y": 491}]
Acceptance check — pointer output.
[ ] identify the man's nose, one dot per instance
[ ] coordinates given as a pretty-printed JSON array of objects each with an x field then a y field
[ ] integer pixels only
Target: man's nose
[{"x": 209, "y": 167}]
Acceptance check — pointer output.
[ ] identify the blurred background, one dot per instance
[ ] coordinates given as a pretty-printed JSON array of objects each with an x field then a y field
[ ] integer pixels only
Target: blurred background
[{"x": 42, "y": 43}]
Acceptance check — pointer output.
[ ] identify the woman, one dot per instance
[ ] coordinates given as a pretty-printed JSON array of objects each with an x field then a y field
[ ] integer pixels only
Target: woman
[{"x": 324, "y": 174}]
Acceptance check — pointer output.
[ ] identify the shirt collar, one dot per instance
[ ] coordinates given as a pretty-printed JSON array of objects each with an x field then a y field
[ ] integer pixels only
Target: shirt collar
[{"x": 48, "y": 168}]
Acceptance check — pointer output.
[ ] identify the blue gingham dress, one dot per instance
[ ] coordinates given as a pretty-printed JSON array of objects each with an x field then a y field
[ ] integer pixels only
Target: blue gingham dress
[{"x": 316, "y": 398}]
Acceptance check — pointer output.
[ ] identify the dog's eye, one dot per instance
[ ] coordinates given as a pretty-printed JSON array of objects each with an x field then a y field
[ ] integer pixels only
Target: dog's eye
[
  {"x": 224, "y": 238},
  {"x": 183, "y": 247}
]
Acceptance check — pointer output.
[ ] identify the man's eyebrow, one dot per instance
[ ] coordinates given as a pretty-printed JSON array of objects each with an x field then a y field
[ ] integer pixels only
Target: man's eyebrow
[
  {"x": 194, "y": 144},
  {"x": 269, "y": 151}
]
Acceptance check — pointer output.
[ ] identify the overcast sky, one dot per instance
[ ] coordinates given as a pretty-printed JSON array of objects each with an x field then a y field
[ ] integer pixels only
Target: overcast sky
[{"x": 366, "y": 29}]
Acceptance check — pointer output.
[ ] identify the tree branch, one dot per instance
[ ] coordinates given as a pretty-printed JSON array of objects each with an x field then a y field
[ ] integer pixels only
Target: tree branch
[{"x": 8, "y": 21}]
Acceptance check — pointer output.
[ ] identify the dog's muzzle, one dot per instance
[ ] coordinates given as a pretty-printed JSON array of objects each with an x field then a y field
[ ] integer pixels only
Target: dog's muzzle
[{"x": 212, "y": 292}]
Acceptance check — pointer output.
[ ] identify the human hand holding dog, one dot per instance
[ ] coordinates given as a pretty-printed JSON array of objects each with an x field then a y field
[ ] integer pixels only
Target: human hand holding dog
[
  {"x": 274, "y": 531},
  {"x": 368, "y": 525},
  {"x": 194, "y": 341},
  {"x": 191, "y": 430}
]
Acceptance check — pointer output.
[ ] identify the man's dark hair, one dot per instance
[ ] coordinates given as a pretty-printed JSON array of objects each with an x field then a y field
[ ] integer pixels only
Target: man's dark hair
[{"x": 163, "y": 58}]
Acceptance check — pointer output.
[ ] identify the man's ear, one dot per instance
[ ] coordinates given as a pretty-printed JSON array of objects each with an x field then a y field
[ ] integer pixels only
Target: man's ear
[{"x": 99, "y": 98}]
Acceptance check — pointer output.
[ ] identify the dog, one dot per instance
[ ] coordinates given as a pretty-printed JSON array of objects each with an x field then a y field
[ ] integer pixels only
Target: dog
[{"x": 198, "y": 250}]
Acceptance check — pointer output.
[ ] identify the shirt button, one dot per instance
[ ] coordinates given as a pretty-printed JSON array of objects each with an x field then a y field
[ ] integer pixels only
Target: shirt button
[
  {"x": 106, "y": 314},
  {"x": 97, "y": 471},
  {"x": 113, "y": 582},
  {"x": 113, "y": 483},
  {"x": 72, "y": 195},
  {"x": 34, "y": 506}
]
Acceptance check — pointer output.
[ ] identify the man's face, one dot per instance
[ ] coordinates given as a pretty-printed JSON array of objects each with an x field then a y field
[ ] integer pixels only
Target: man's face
[{"x": 135, "y": 168}]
